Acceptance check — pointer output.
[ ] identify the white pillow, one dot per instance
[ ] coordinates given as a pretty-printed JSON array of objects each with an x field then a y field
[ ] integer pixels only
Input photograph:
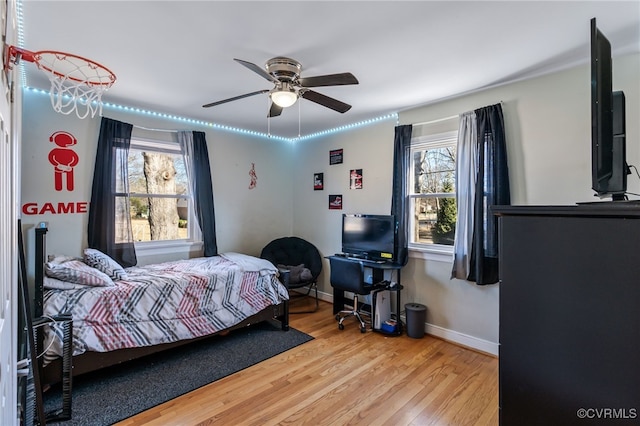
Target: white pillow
[
  {"x": 55, "y": 284},
  {"x": 78, "y": 272},
  {"x": 102, "y": 262}
]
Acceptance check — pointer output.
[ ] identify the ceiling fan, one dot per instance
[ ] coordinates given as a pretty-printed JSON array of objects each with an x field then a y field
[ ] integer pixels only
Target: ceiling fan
[{"x": 289, "y": 86}]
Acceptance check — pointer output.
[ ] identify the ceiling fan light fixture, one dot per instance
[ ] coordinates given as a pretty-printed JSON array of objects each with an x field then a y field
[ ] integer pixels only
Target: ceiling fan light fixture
[
  {"x": 284, "y": 98},
  {"x": 285, "y": 74}
]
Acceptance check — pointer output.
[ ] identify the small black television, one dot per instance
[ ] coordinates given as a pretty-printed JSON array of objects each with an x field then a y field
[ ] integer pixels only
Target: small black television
[
  {"x": 609, "y": 167},
  {"x": 369, "y": 236}
]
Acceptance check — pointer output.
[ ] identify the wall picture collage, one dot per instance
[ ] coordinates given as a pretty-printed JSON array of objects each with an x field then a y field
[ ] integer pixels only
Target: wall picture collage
[{"x": 336, "y": 156}]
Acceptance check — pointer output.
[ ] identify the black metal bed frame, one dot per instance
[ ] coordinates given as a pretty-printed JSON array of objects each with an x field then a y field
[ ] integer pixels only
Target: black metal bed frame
[
  {"x": 66, "y": 366},
  {"x": 63, "y": 369}
]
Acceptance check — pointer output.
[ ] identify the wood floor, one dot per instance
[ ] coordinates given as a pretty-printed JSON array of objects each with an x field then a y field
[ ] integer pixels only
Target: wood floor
[{"x": 346, "y": 378}]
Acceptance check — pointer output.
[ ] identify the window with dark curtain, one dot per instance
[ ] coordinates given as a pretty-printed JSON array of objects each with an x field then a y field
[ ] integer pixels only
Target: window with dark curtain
[
  {"x": 109, "y": 228},
  {"x": 399, "y": 208},
  {"x": 203, "y": 194},
  {"x": 491, "y": 189}
]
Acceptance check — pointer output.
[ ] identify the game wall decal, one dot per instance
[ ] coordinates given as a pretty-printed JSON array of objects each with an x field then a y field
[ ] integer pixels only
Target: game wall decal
[
  {"x": 56, "y": 208},
  {"x": 63, "y": 159}
]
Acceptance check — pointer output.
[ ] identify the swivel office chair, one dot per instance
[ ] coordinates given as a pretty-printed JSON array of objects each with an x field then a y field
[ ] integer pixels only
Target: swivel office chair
[{"x": 347, "y": 275}]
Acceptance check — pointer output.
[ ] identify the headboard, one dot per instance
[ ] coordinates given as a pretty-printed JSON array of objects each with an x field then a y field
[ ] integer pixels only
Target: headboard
[{"x": 41, "y": 240}]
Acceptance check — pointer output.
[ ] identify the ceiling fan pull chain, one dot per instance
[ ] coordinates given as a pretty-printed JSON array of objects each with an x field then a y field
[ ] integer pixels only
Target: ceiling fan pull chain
[
  {"x": 268, "y": 118},
  {"x": 299, "y": 115}
]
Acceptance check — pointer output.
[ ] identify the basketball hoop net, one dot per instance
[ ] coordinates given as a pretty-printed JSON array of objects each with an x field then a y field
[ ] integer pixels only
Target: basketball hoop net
[{"x": 77, "y": 83}]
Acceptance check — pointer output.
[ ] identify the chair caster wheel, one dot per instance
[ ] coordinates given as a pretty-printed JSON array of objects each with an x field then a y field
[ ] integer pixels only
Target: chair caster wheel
[
  {"x": 337, "y": 317},
  {"x": 341, "y": 326},
  {"x": 363, "y": 329}
]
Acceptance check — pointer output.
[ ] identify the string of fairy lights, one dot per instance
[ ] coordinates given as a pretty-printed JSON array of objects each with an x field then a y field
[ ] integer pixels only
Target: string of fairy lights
[
  {"x": 191, "y": 121},
  {"x": 223, "y": 127}
]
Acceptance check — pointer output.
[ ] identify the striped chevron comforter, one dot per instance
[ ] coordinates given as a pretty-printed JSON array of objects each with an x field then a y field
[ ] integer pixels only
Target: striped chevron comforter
[{"x": 163, "y": 303}]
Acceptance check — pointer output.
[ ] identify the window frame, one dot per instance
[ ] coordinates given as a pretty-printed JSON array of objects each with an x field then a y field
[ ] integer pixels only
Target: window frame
[
  {"x": 429, "y": 251},
  {"x": 194, "y": 235}
]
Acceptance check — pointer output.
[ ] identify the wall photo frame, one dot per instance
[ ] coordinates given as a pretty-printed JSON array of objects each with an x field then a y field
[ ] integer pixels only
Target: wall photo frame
[
  {"x": 355, "y": 179},
  {"x": 336, "y": 156},
  {"x": 335, "y": 202},
  {"x": 318, "y": 181}
]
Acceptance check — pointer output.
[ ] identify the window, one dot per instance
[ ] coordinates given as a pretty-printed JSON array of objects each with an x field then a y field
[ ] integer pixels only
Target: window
[
  {"x": 432, "y": 192},
  {"x": 159, "y": 193}
]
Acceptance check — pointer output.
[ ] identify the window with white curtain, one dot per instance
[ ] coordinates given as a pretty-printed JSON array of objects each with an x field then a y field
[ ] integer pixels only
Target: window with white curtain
[
  {"x": 159, "y": 193},
  {"x": 432, "y": 191}
]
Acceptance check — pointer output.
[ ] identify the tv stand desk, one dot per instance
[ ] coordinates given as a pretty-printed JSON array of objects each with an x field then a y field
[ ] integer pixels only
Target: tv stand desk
[{"x": 378, "y": 283}]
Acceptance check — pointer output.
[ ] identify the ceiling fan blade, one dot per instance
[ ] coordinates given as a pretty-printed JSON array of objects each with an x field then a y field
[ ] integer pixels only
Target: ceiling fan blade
[
  {"x": 326, "y": 101},
  {"x": 258, "y": 70},
  {"x": 235, "y": 98},
  {"x": 275, "y": 110},
  {"x": 342, "y": 79}
]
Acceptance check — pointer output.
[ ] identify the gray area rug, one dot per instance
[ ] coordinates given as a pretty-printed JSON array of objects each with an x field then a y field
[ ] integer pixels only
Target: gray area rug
[{"x": 115, "y": 393}]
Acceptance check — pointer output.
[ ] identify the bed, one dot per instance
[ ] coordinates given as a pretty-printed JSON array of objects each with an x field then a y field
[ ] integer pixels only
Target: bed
[{"x": 137, "y": 311}]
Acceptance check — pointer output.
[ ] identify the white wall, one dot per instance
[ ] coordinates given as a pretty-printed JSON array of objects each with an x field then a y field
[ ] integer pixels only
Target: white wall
[
  {"x": 245, "y": 219},
  {"x": 548, "y": 126},
  {"x": 548, "y": 136},
  {"x": 368, "y": 148}
]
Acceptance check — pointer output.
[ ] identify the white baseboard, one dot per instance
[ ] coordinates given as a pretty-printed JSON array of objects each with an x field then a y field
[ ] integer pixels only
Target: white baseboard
[
  {"x": 327, "y": 297},
  {"x": 462, "y": 339},
  {"x": 452, "y": 336}
]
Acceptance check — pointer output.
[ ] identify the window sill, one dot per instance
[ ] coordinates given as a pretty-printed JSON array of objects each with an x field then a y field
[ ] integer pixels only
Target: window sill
[
  {"x": 157, "y": 248},
  {"x": 440, "y": 254}
]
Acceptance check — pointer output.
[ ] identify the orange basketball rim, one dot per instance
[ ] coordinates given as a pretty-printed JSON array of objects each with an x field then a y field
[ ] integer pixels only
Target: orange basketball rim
[{"x": 77, "y": 83}]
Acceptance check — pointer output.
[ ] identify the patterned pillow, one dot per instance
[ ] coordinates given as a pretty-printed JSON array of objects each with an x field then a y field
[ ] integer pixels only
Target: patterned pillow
[
  {"x": 102, "y": 262},
  {"x": 78, "y": 272}
]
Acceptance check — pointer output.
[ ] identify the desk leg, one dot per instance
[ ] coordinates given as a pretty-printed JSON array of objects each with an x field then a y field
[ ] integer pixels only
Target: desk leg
[
  {"x": 338, "y": 300},
  {"x": 398, "y": 310},
  {"x": 398, "y": 302}
]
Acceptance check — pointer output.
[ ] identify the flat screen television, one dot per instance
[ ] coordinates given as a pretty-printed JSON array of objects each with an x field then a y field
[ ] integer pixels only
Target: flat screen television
[
  {"x": 369, "y": 236},
  {"x": 609, "y": 167}
]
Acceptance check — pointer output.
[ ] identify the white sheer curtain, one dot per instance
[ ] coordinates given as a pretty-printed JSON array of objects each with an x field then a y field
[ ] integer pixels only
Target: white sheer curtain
[
  {"x": 185, "y": 139},
  {"x": 466, "y": 175}
]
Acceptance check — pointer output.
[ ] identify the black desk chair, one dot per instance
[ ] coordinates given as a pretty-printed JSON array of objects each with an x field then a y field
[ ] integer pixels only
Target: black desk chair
[
  {"x": 348, "y": 275},
  {"x": 287, "y": 254}
]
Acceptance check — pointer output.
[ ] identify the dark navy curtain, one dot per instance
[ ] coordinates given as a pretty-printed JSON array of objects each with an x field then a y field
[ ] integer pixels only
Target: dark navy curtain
[
  {"x": 109, "y": 228},
  {"x": 203, "y": 197},
  {"x": 492, "y": 189},
  {"x": 399, "y": 200}
]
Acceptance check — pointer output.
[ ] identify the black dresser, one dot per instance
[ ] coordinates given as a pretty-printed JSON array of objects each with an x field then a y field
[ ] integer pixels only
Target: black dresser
[{"x": 569, "y": 314}]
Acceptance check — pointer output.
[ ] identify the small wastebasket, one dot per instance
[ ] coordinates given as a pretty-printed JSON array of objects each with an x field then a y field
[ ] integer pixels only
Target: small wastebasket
[{"x": 416, "y": 317}]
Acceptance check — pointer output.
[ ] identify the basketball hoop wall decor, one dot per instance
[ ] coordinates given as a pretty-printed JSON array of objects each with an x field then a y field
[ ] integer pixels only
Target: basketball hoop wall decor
[{"x": 77, "y": 83}]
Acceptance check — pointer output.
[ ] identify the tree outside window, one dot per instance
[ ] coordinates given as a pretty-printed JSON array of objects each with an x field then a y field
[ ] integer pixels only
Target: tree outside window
[
  {"x": 432, "y": 191},
  {"x": 158, "y": 192}
]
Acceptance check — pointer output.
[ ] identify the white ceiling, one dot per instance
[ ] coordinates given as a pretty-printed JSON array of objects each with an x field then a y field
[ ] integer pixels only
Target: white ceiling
[{"x": 174, "y": 56}]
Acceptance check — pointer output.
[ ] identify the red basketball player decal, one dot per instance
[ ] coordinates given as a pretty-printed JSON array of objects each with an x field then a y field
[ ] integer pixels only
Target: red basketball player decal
[
  {"x": 253, "y": 176},
  {"x": 64, "y": 159}
]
